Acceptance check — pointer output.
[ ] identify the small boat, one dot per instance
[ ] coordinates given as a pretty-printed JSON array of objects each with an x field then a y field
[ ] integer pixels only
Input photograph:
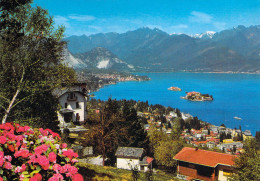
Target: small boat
[
  {"x": 238, "y": 118},
  {"x": 174, "y": 88}
]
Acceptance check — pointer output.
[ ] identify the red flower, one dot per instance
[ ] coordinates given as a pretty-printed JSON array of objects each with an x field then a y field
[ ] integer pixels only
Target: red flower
[
  {"x": 10, "y": 147},
  {"x": 70, "y": 154},
  {"x": 36, "y": 177},
  {"x": 77, "y": 177},
  {"x": 1, "y": 179}
]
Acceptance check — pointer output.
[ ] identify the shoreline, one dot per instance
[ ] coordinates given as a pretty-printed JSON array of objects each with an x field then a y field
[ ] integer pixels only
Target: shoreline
[{"x": 228, "y": 72}]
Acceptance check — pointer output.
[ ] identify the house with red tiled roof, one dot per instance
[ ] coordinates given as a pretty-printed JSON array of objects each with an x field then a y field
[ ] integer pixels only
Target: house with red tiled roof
[{"x": 205, "y": 165}]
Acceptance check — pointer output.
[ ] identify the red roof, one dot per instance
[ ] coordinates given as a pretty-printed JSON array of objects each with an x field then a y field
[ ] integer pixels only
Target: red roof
[
  {"x": 204, "y": 157},
  {"x": 149, "y": 160}
]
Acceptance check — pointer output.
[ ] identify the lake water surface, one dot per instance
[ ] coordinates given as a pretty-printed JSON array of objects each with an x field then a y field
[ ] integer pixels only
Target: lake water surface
[{"x": 234, "y": 95}]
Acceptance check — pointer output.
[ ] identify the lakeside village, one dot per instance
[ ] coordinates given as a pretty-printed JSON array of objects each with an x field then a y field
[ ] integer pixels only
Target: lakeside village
[
  {"x": 207, "y": 152},
  {"x": 98, "y": 80}
]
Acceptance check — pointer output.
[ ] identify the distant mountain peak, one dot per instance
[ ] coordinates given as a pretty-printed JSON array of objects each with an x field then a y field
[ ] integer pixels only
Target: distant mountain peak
[{"x": 206, "y": 35}]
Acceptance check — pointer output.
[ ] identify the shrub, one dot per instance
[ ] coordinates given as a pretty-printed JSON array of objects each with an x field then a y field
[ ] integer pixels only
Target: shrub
[{"x": 35, "y": 155}]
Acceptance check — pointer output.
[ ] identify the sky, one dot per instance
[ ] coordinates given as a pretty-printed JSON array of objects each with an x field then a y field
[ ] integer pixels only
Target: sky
[{"x": 172, "y": 16}]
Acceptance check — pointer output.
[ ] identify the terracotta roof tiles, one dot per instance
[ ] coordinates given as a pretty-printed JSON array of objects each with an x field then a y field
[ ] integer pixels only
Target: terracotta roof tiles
[{"x": 204, "y": 157}]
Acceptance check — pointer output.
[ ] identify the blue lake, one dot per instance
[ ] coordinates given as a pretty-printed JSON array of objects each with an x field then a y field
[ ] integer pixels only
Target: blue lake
[{"x": 234, "y": 95}]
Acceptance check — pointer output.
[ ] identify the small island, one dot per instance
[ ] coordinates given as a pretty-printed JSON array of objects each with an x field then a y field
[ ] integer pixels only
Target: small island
[
  {"x": 197, "y": 96},
  {"x": 174, "y": 88}
]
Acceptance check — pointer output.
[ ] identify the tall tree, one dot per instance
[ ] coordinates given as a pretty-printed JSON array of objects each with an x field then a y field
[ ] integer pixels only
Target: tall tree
[
  {"x": 105, "y": 130},
  {"x": 31, "y": 53}
]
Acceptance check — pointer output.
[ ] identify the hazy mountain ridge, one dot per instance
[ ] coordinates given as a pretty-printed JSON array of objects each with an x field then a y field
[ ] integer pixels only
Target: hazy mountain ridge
[{"x": 236, "y": 49}]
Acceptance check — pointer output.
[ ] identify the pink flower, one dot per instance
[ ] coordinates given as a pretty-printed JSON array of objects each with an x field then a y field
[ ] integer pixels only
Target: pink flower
[
  {"x": 8, "y": 166},
  {"x": 2, "y": 154},
  {"x": 23, "y": 167},
  {"x": 77, "y": 177},
  {"x": 64, "y": 145},
  {"x": 56, "y": 177},
  {"x": 8, "y": 158},
  {"x": 52, "y": 157},
  {"x": 56, "y": 167},
  {"x": 1, "y": 162},
  {"x": 40, "y": 149},
  {"x": 71, "y": 171},
  {"x": 36, "y": 177},
  {"x": 1, "y": 179},
  {"x": 18, "y": 169},
  {"x": 43, "y": 132},
  {"x": 22, "y": 177},
  {"x": 2, "y": 139},
  {"x": 22, "y": 153},
  {"x": 44, "y": 162},
  {"x": 70, "y": 154}
]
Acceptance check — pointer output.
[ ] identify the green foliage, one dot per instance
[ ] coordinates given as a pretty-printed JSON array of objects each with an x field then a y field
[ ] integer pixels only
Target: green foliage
[
  {"x": 166, "y": 147},
  {"x": 116, "y": 124},
  {"x": 247, "y": 164},
  {"x": 31, "y": 53}
]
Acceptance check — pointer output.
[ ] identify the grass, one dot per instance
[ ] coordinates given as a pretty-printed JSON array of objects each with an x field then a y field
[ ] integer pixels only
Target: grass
[{"x": 94, "y": 172}]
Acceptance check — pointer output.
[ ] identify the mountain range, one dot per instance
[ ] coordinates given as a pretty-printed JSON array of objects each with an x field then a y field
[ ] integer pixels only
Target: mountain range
[{"x": 145, "y": 49}]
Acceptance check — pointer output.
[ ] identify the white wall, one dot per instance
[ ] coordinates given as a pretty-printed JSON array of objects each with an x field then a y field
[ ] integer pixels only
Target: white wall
[
  {"x": 126, "y": 163},
  {"x": 221, "y": 176},
  {"x": 72, "y": 105}
]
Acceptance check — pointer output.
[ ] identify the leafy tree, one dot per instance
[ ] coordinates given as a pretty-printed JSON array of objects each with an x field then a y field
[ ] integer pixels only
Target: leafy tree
[
  {"x": 166, "y": 150},
  {"x": 165, "y": 147},
  {"x": 31, "y": 53},
  {"x": 105, "y": 130},
  {"x": 247, "y": 164}
]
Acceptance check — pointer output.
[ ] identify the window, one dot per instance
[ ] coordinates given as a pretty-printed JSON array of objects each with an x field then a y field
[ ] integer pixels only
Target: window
[
  {"x": 77, "y": 105},
  {"x": 66, "y": 105},
  {"x": 71, "y": 95}
]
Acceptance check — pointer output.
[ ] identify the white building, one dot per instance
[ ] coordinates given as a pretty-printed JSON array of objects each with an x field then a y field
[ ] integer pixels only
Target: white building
[
  {"x": 132, "y": 158},
  {"x": 186, "y": 116},
  {"x": 73, "y": 103}
]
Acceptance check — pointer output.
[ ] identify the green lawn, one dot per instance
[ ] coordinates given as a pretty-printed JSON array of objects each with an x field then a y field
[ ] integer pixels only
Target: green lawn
[{"x": 94, "y": 172}]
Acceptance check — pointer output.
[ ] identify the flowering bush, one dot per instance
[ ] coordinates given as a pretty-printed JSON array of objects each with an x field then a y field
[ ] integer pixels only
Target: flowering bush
[{"x": 35, "y": 155}]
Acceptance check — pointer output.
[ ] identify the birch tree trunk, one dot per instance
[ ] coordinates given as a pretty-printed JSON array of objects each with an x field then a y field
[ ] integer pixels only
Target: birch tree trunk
[
  {"x": 13, "y": 99},
  {"x": 10, "y": 106}
]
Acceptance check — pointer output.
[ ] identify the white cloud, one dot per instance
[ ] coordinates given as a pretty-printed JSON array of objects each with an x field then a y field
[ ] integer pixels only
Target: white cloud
[
  {"x": 96, "y": 28},
  {"x": 82, "y": 17},
  {"x": 200, "y": 17},
  {"x": 61, "y": 20}
]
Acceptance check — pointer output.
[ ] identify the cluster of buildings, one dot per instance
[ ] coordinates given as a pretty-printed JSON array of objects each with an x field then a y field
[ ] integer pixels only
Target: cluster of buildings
[
  {"x": 119, "y": 78},
  {"x": 209, "y": 137},
  {"x": 197, "y": 96},
  {"x": 192, "y": 163}
]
